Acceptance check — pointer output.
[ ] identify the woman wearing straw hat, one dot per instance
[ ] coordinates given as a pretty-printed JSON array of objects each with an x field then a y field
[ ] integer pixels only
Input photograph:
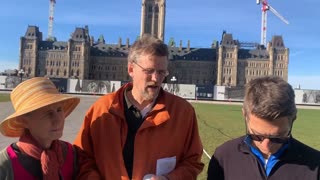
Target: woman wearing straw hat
[{"x": 38, "y": 121}]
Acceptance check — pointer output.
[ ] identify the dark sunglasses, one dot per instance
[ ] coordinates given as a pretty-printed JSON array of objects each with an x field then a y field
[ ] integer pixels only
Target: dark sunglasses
[{"x": 278, "y": 140}]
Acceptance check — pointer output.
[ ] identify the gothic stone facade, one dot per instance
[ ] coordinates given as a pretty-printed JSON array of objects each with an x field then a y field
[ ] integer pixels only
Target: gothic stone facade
[{"x": 225, "y": 63}]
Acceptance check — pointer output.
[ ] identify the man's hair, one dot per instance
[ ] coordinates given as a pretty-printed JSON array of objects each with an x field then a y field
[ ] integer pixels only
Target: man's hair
[
  {"x": 147, "y": 44},
  {"x": 270, "y": 98}
]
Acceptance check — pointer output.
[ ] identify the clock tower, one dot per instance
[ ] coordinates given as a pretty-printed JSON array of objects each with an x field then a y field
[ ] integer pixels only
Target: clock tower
[{"x": 153, "y": 18}]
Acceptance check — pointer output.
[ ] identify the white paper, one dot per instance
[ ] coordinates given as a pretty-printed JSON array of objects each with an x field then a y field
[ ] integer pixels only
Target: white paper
[{"x": 165, "y": 165}]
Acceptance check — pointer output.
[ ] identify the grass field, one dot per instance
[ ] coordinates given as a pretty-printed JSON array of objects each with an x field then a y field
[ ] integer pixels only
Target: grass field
[
  {"x": 4, "y": 97},
  {"x": 219, "y": 123}
]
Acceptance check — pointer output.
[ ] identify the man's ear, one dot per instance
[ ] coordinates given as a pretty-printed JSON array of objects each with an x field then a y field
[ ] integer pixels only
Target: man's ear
[
  {"x": 130, "y": 69},
  {"x": 243, "y": 112}
]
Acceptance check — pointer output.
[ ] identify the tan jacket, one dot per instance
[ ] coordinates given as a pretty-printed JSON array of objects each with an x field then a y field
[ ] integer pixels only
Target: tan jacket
[{"x": 169, "y": 130}]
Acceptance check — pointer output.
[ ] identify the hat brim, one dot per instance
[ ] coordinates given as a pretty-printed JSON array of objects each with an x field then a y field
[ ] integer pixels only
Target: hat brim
[{"x": 11, "y": 127}]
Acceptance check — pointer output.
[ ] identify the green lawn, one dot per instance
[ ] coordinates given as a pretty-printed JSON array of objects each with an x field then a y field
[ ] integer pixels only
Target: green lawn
[
  {"x": 220, "y": 123},
  {"x": 4, "y": 97}
]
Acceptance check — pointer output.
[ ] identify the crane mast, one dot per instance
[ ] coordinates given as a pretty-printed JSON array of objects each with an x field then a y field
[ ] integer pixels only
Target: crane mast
[
  {"x": 51, "y": 18},
  {"x": 266, "y": 7}
]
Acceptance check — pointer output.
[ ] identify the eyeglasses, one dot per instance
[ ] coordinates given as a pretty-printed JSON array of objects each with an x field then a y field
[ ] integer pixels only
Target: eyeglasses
[
  {"x": 150, "y": 71},
  {"x": 273, "y": 139}
]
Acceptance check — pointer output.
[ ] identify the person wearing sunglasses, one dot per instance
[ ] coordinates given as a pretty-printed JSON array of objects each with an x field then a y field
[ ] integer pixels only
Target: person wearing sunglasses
[
  {"x": 141, "y": 131},
  {"x": 268, "y": 150}
]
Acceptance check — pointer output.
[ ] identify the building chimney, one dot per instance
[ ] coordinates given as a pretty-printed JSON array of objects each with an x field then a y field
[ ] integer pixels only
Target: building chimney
[
  {"x": 119, "y": 42},
  {"x": 91, "y": 40},
  {"x": 127, "y": 43}
]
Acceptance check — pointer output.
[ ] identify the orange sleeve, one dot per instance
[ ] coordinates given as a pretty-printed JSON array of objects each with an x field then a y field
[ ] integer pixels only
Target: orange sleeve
[{"x": 83, "y": 143}]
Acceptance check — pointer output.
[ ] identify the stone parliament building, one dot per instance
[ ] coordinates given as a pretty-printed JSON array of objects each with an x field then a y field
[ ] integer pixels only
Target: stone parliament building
[{"x": 226, "y": 63}]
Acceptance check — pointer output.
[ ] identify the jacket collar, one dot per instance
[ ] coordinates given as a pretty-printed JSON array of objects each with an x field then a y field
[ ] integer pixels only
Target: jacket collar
[
  {"x": 158, "y": 115},
  {"x": 245, "y": 148}
]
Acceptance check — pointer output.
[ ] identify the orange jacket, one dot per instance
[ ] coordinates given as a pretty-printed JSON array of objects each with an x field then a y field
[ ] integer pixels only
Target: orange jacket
[{"x": 170, "y": 129}]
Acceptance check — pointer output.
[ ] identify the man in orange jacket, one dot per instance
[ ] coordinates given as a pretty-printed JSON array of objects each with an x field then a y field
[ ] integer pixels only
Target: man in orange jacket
[{"x": 141, "y": 131}]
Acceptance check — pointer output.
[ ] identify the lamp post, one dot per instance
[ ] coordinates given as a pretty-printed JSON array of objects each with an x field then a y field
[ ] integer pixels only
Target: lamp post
[
  {"x": 173, "y": 81},
  {"x": 21, "y": 73},
  {"x": 228, "y": 88},
  {"x": 196, "y": 93}
]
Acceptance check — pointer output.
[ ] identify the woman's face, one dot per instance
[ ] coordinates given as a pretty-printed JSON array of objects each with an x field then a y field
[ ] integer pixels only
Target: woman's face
[{"x": 46, "y": 124}]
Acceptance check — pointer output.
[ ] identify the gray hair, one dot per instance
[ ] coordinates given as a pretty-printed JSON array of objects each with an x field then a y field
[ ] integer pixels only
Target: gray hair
[{"x": 147, "y": 45}]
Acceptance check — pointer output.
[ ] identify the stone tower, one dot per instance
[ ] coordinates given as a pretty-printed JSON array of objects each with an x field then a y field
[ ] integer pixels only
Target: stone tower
[
  {"x": 79, "y": 53},
  {"x": 153, "y": 18},
  {"x": 28, "y": 60}
]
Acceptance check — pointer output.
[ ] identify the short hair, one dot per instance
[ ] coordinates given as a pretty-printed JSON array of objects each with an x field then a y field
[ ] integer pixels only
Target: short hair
[
  {"x": 270, "y": 98},
  {"x": 147, "y": 44}
]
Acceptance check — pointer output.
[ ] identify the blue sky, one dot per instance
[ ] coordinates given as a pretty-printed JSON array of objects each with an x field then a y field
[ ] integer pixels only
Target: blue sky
[{"x": 200, "y": 21}]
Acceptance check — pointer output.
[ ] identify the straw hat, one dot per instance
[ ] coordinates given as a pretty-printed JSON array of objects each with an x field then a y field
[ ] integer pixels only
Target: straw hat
[{"x": 31, "y": 95}]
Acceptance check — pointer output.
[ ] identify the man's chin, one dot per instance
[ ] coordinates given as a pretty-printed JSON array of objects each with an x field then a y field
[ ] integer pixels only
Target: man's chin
[{"x": 150, "y": 96}]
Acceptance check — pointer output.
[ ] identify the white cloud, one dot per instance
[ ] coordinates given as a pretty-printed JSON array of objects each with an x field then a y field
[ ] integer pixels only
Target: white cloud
[
  {"x": 305, "y": 81},
  {"x": 296, "y": 53},
  {"x": 7, "y": 64}
]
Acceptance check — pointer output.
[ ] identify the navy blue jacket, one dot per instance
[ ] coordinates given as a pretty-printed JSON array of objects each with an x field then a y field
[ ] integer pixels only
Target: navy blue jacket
[{"x": 233, "y": 160}]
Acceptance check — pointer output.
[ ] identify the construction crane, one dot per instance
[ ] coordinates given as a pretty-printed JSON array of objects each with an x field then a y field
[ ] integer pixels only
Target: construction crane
[
  {"x": 264, "y": 9},
  {"x": 51, "y": 18}
]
